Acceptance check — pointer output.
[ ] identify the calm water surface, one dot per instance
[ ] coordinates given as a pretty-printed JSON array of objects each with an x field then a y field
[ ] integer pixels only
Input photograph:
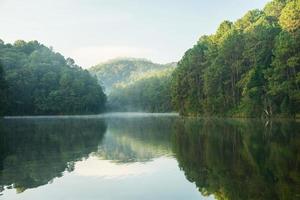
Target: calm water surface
[{"x": 146, "y": 156}]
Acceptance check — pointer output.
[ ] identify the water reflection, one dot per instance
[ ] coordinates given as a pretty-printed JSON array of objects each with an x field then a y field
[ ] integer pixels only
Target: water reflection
[
  {"x": 137, "y": 139},
  {"x": 138, "y": 156},
  {"x": 34, "y": 151},
  {"x": 94, "y": 167},
  {"x": 240, "y": 159}
]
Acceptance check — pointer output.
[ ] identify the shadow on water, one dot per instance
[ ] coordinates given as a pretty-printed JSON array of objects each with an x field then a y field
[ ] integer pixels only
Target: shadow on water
[
  {"x": 240, "y": 159},
  {"x": 35, "y": 151}
]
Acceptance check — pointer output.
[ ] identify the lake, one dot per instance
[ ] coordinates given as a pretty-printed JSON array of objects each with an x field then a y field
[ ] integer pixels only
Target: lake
[{"x": 148, "y": 156}]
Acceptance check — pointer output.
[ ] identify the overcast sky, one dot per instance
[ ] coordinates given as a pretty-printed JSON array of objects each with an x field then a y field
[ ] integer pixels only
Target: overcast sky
[{"x": 93, "y": 31}]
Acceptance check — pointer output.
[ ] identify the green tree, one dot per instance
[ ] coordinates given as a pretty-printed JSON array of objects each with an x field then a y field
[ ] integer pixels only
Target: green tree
[
  {"x": 3, "y": 92},
  {"x": 247, "y": 68},
  {"x": 152, "y": 94},
  {"x": 41, "y": 81}
]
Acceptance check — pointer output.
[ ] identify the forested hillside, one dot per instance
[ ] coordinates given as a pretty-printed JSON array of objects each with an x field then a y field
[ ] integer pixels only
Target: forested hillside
[
  {"x": 250, "y": 67},
  {"x": 123, "y": 71},
  {"x": 136, "y": 84},
  {"x": 151, "y": 93},
  {"x": 41, "y": 81}
]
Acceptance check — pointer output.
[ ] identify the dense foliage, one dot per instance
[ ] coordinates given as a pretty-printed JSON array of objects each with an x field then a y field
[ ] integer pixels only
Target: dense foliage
[
  {"x": 247, "y": 68},
  {"x": 3, "y": 91},
  {"x": 120, "y": 72},
  {"x": 151, "y": 94},
  {"x": 136, "y": 84},
  {"x": 41, "y": 81}
]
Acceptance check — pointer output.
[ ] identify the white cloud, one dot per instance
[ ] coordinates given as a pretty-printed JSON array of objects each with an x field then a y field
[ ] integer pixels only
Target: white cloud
[{"x": 92, "y": 55}]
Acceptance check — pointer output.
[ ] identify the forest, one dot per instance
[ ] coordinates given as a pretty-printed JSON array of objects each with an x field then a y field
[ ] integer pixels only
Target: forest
[
  {"x": 35, "y": 80},
  {"x": 163, "y": 100},
  {"x": 248, "y": 68},
  {"x": 133, "y": 84},
  {"x": 151, "y": 95}
]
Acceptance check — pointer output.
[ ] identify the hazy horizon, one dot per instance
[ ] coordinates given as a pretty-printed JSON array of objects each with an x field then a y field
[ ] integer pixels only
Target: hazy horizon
[{"x": 93, "y": 32}]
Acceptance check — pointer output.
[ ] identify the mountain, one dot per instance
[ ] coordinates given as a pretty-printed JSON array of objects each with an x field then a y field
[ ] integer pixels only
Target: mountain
[{"x": 124, "y": 71}]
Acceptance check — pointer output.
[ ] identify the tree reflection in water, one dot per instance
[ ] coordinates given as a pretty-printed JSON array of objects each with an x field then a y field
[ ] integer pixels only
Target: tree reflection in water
[
  {"x": 137, "y": 139},
  {"x": 231, "y": 159},
  {"x": 35, "y": 151},
  {"x": 240, "y": 159}
]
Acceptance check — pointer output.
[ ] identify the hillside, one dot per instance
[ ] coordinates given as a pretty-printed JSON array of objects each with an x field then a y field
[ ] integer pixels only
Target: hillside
[
  {"x": 152, "y": 93},
  {"x": 35, "y": 80},
  {"x": 124, "y": 71}
]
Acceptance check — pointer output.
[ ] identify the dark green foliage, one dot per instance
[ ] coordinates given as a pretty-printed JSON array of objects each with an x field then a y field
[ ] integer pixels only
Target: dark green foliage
[
  {"x": 41, "y": 81},
  {"x": 3, "y": 91},
  {"x": 248, "y": 68}
]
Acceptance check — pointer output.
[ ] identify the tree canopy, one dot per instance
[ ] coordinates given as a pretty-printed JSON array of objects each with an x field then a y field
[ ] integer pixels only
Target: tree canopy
[
  {"x": 151, "y": 94},
  {"x": 136, "y": 84},
  {"x": 122, "y": 71},
  {"x": 247, "y": 68},
  {"x": 41, "y": 81},
  {"x": 3, "y": 91}
]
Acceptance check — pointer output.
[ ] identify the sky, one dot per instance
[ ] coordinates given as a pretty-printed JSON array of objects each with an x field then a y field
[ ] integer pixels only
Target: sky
[{"x": 94, "y": 31}]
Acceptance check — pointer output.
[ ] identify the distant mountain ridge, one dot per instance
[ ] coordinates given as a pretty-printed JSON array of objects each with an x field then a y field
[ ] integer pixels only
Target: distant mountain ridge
[{"x": 123, "y": 71}]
